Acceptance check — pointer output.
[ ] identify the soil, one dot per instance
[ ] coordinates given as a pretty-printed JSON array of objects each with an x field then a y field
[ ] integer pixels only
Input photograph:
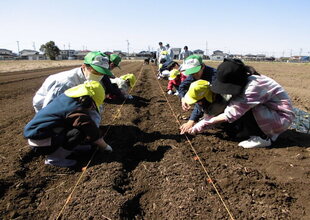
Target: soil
[{"x": 154, "y": 172}]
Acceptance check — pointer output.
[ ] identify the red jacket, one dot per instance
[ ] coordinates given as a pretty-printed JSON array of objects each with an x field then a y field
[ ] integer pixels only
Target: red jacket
[{"x": 174, "y": 82}]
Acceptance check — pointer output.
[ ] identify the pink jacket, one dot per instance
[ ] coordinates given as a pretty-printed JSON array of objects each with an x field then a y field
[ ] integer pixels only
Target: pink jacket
[{"x": 271, "y": 106}]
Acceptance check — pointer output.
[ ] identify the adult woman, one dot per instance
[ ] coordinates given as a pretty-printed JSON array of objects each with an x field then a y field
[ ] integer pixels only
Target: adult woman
[{"x": 259, "y": 108}]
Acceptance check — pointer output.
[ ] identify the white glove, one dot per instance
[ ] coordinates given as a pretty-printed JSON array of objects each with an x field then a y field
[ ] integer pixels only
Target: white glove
[
  {"x": 169, "y": 92},
  {"x": 129, "y": 97},
  {"x": 108, "y": 148},
  {"x": 176, "y": 93}
]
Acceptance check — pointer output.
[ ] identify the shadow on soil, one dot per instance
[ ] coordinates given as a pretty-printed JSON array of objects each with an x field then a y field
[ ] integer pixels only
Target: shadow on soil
[
  {"x": 130, "y": 146},
  {"x": 137, "y": 101}
]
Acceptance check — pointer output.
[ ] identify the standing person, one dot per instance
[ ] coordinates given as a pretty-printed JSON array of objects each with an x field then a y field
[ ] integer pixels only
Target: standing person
[
  {"x": 185, "y": 53},
  {"x": 65, "y": 123},
  {"x": 195, "y": 69},
  {"x": 95, "y": 66},
  {"x": 158, "y": 53},
  {"x": 259, "y": 110},
  {"x": 170, "y": 51}
]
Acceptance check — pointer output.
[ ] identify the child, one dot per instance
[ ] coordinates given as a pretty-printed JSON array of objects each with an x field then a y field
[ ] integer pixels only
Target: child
[
  {"x": 124, "y": 83},
  {"x": 66, "y": 123},
  {"x": 175, "y": 78},
  {"x": 206, "y": 103}
]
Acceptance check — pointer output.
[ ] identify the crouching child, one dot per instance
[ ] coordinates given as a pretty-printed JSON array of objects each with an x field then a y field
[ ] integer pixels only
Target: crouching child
[
  {"x": 65, "y": 123},
  {"x": 175, "y": 77},
  {"x": 125, "y": 83}
]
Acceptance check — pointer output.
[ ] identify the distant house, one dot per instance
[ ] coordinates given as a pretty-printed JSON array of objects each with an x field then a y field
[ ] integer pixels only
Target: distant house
[
  {"x": 120, "y": 53},
  {"x": 6, "y": 54},
  {"x": 298, "y": 59},
  {"x": 257, "y": 57},
  {"x": 67, "y": 55},
  {"x": 218, "y": 55},
  {"x": 236, "y": 56},
  {"x": 80, "y": 54},
  {"x": 30, "y": 55},
  {"x": 305, "y": 59},
  {"x": 198, "y": 52},
  {"x": 144, "y": 54}
]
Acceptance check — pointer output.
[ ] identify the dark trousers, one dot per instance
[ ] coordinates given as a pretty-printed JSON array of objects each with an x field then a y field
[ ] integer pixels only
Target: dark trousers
[
  {"x": 68, "y": 139},
  {"x": 244, "y": 127}
]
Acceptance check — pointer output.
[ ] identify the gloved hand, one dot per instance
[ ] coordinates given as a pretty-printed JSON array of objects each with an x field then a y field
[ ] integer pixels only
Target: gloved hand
[
  {"x": 169, "y": 92},
  {"x": 108, "y": 148},
  {"x": 200, "y": 126}
]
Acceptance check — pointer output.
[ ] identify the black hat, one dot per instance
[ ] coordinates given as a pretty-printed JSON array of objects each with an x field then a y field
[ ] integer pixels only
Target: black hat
[{"x": 231, "y": 77}]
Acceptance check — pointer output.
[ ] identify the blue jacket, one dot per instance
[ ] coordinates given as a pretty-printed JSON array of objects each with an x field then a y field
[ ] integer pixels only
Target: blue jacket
[
  {"x": 52, "y": 116},
  {"x": 208, "y": 75},
  {"x": 197, "y": 113}
]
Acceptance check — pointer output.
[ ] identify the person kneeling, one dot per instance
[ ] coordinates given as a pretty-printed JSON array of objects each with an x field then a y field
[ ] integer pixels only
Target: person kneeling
[
  {"x": 206, "y": 103},
  {"x": 65, "y": 123},
  {"x": 259, "y": 109}
]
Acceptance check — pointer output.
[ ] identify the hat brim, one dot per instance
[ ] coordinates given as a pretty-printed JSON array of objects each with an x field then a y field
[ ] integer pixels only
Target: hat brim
[
  {"x": 225, "y": 88},
  {"x": 189, "y": 100},
  {"x": 192, "y": 70},
  {"x": 101, "y": 70}
]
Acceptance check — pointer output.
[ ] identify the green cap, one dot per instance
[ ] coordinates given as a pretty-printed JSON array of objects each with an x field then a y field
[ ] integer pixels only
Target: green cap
[
  {"x": 192, "y": 64},
  {"x": 114, "y": 58},
  {"x": 98, "y": 61}
]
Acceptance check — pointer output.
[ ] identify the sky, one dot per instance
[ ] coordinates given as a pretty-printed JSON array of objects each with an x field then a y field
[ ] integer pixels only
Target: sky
[{"x": 271, "y": 27}]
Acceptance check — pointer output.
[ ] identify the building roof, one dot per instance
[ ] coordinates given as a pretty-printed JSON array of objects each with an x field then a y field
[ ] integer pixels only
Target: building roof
[{"x": 29, "y": 52}]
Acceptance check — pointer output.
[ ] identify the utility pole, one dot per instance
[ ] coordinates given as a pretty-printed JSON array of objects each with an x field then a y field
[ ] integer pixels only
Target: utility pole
[
  {"x": 291, "y": 53},
  {"x": 34, "y": 45},
  {"x": 206, "y": 48},
  {"x": 300, "y": 51},
  {"x": 127, "y": 47},
  {"x": 18, "y": 47}
]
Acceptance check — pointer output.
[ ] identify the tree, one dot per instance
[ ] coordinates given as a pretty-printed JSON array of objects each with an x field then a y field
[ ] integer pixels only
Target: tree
[{"x": 50, "y": 50}]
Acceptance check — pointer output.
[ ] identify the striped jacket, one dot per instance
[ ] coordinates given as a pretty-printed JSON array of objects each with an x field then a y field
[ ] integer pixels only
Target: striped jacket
[{"x": 271, "y": 105}]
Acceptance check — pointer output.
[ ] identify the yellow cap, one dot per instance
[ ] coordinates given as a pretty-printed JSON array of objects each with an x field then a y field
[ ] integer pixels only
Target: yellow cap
[
  {"x": 198, "y": 90},
  {"x": 91, "y": 88},
  {"x": 173, "y": 74},
  {"x": 131, "y": 77}
]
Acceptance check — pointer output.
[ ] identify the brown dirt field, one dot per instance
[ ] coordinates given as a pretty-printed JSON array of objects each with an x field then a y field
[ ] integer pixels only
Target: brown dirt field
[{"x": 153, "y": 172}]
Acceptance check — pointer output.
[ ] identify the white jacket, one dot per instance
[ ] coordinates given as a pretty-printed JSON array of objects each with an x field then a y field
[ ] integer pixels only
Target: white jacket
[
  {"x": 184, "y": 54},
  {"x": 58, "y": 83}
]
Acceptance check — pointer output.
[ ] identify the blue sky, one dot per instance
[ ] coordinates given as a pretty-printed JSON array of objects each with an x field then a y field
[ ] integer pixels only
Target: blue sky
[{"x": 272, "y": 27}]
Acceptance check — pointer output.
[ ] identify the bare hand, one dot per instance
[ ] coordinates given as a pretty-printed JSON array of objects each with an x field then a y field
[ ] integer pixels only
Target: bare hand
[
  {"x": 186, "y": 126},
  {"x": 185, "y": 106}
]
